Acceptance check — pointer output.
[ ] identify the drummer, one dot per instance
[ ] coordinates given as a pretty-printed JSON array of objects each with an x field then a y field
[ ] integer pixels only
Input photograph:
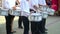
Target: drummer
[
  {"x": 9, "y": 4},
  {"x": 34, "y": 24},
  {"x": 43, "y": 22},
  {"x": 20, "y": 19},
  {"x": 24, "y": 5}
]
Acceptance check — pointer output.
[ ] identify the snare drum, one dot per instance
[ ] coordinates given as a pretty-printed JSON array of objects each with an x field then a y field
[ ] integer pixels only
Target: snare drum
[
  {"x": 51, "y": 11},
  {"x": 44, "y": 14},
  {"x": 14, "y": 12},
  {"x": 4, "y": 12},
  {"x": 35, "y": 17}
]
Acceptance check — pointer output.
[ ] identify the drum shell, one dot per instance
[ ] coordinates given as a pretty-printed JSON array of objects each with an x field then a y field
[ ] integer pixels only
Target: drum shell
[
  {"x": 35, "y": 17},
  {"x": 44, "y": 14},
  {"x": 4, "y": 12},
  {"x": 14, "y": 12},
  {"x": 51, "y": 11}
]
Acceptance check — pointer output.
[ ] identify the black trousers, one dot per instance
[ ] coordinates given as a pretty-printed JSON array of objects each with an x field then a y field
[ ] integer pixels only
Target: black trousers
[
  {"x": 20, "y": 21},
  {"x": 26, "y": 24},
  {"x": 9, "y": 20},
  {"x": 38, "y": 27},
  {"x": 42, "y": 25},
  {"x": 35, "y": 27}
]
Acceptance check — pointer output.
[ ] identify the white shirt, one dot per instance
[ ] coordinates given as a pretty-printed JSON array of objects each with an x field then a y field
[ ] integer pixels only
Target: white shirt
[
  {"x": 9, "y": 4},
  {"x": 24, "y": 5},
  {"x": 42, "y": 2},
  {"x": 32, "y": 3}
]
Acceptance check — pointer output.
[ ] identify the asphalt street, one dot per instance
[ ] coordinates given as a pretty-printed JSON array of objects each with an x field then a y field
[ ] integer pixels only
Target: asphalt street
[{"x": 52, "y": 24}]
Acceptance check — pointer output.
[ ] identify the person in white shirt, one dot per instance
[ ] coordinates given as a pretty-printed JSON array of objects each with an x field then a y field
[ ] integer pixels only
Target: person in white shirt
[
  {"x": 34, "y": 24},
  {"x": 9, "y": 4},
  {"x": 43, "y": 22},
  {"x": 24, "y": 5},
  {"x": 20, "y": 19}
]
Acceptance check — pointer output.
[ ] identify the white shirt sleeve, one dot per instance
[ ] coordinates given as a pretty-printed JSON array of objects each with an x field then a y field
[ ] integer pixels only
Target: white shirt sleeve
[
  {"x": 9, "y": 4},
  {"x": 5, "y": 4},
  {"x": 24, "y": 5},
  {"x": 32, "y": 3},
  {"x": 35, "y": 2},
  {"x": 42, "y": 2}
]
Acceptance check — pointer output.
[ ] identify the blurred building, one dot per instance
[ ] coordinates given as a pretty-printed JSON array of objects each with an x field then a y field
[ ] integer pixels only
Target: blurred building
[
  {"x": 0, "y": 3},
  {"x": 59, "y": 7}
]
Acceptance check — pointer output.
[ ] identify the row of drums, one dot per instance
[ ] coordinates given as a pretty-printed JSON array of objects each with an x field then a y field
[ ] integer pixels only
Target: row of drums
[
  {"x": 6, "y": 12},
  {"x": 42, "y": 12}
]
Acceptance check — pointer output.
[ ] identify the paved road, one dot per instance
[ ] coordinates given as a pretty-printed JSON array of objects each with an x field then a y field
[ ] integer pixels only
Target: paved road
[{"x": 52, "y": 24}]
